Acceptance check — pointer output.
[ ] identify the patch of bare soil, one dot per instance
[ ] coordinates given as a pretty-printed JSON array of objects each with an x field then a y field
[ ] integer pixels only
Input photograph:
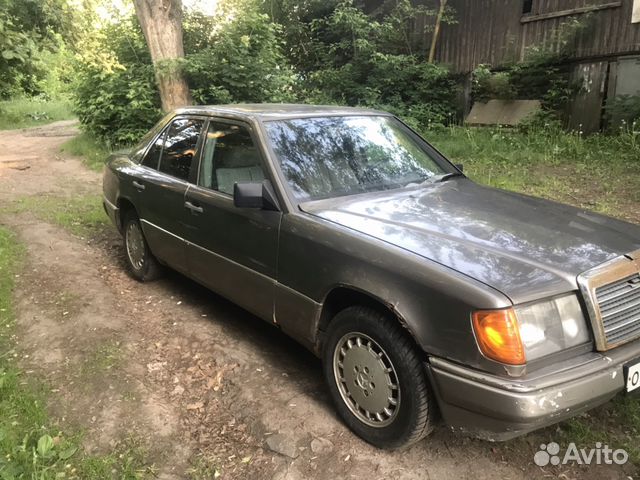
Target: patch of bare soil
[{"x": 200, "y": 383}]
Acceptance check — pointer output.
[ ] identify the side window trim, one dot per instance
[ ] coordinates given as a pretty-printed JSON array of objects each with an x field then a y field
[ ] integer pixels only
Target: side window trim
[
  {"x": 254, "y": 139},
  {"x": 194, "y": 170}
]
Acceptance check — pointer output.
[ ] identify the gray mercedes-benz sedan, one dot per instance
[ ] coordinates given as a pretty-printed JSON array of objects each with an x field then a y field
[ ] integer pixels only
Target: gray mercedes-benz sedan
[{"x": 425, "y": 294}]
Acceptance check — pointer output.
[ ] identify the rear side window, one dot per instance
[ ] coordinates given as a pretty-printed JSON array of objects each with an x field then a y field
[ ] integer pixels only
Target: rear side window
[
  {"x": 152, "y": 158},
  {"x": 180, "y": 147},
  {"x": 138, "y": 151}
]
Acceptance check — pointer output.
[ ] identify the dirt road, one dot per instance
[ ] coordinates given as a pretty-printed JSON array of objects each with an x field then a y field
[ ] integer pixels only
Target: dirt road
[{"x": 200, "y": 384}]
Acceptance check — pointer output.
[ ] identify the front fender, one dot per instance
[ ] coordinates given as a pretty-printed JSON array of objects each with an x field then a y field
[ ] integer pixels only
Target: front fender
[{"x": 433, "y": 302}]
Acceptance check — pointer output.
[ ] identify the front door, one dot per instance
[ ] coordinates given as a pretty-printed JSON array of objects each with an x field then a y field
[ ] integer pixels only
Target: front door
[{"x": 232, "y": 250}]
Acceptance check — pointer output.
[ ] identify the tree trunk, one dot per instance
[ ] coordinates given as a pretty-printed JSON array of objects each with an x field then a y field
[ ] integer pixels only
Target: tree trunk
[
  {"x": 436, "y": 31},
  {"x": 161, "y": 22}
]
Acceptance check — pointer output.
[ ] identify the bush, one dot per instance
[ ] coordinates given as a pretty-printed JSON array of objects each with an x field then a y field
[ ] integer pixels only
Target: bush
[
  {"x": 623, "y": 112},
  {"x": 357, "y": 64},
  {"x": 115, "y": 94},
  {"x": 241, "y": 61},
  {"x": 118, "y": 106},
  {"x": 534, "y": 80}
]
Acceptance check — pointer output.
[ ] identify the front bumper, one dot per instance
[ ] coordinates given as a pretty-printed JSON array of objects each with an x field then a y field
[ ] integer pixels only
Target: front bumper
[{"x": 498, "y": 408}]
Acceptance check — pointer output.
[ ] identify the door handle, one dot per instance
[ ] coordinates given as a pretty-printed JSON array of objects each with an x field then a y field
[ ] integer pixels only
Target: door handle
[
  {"x": 193, "y": 208},
  {"x": 138, "y": 186}
]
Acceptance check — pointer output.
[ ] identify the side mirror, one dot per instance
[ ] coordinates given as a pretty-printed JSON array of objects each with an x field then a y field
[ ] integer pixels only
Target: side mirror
[
  {"x": 459, "y": 166},
  {"x": 255, "y": 195}
]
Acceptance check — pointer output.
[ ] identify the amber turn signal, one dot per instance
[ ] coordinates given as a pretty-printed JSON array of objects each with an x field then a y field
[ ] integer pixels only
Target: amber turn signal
[{"x": 498, "y": 335}]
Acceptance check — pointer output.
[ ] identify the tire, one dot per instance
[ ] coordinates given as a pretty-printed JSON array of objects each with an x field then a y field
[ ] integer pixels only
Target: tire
[
  {"x": 377, "y": 343},
  {"x": 142, "y": 264}
]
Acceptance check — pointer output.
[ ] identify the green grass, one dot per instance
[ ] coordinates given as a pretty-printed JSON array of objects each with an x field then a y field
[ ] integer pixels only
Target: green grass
[
  {"x": 126, "y": 462},
  {"x": 104, "y": 358},
  {"x": 598, "y": 172},
  {"x": 31, "y": 445},
  {"x": 204, "y": 469},
  {"x": 25, "y": 112},
  {"x": 616, "y": 424},
  {"x": 93, "y": 152},
  {"x": 83, "y": 215}
]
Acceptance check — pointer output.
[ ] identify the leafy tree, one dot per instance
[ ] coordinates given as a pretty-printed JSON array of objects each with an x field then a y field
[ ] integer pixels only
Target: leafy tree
[
  {"x": 115, "y": 95},
  {"x": 239, "y": 61},
  {"x": 31, "y": 33}
]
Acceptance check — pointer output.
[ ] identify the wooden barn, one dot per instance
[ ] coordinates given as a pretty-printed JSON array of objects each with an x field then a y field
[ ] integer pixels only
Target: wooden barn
[{"x": 604, "y": 57}]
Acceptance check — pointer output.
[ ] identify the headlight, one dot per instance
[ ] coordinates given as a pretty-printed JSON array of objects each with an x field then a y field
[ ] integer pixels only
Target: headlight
[
  {"x": 551, "y": 326},
  {"x": 516, "y": 335}
]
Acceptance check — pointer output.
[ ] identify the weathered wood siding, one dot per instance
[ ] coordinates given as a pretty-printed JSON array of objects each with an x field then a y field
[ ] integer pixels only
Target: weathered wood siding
[{"x": 496, "y": 32}]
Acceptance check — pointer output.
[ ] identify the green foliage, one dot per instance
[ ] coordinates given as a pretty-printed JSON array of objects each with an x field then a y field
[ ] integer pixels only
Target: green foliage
[
  {"x": 115, "y": 95},
  {"x": 533, "y": 80},
  {"x": 623, "y": 112},
  {"x": 543, "y": 122},
  {"x": 540, "y": 76},
  {"x": 487, "y": 84},
  {"x": 117, "y": 106},
  {"x": 251, "y": 51},
  {"x": 239, "y": 61},
  {"x": 17, "y": 68},
  {"x": 32, "y": 45},
  {"x": 354, "y": 59}
]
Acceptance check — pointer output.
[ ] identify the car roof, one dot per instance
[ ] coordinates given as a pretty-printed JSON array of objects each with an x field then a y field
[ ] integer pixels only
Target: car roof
[{"x": 278, "y": 111}]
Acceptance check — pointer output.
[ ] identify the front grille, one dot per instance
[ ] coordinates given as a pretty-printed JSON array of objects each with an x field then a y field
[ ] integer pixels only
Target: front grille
[
  {"x": 611, "y": 292},
  {"x": 619, "y": 304}
]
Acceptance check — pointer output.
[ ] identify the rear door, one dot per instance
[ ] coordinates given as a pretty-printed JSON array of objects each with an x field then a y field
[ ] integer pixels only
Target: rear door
[
  {"x": 171, "y": 164},
  {"x": 232, "y": 250}
]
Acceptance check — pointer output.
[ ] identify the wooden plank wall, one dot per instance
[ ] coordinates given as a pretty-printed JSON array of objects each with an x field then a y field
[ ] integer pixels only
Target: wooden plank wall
[{"x": 492, "y": 31}]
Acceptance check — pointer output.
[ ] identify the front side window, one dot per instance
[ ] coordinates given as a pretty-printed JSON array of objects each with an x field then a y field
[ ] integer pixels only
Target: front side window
[
  {"x": 180, "y": 147},
  {"x": 229, "y": 156},
  {"x": 334, "y": 156}
]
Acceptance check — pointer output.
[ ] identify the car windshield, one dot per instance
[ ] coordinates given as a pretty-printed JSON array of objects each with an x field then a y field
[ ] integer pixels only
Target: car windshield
[{"x": 334, "y": 156}]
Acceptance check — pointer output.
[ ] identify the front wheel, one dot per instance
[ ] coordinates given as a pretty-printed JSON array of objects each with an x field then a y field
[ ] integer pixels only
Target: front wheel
[
  {"x": 377, "y": 379},
  {"x": 142, "y": 264}
]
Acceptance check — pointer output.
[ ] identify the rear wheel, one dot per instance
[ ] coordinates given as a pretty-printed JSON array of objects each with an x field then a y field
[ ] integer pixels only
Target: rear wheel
[
  {"x": 142, "y": 264},
  {"x": 377, "y": 378}
]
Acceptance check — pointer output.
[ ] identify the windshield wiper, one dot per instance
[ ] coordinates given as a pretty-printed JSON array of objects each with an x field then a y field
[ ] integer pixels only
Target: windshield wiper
[{"x": 447, "y": 176}]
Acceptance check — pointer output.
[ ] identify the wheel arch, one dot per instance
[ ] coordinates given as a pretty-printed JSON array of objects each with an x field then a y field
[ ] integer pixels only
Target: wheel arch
[
  {"x": 344, "y": 296},
  {"x": 124, "y": 207}
]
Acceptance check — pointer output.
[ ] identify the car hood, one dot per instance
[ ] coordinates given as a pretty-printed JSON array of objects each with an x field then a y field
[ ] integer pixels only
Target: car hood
[{"x": 525, "y": 247}]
